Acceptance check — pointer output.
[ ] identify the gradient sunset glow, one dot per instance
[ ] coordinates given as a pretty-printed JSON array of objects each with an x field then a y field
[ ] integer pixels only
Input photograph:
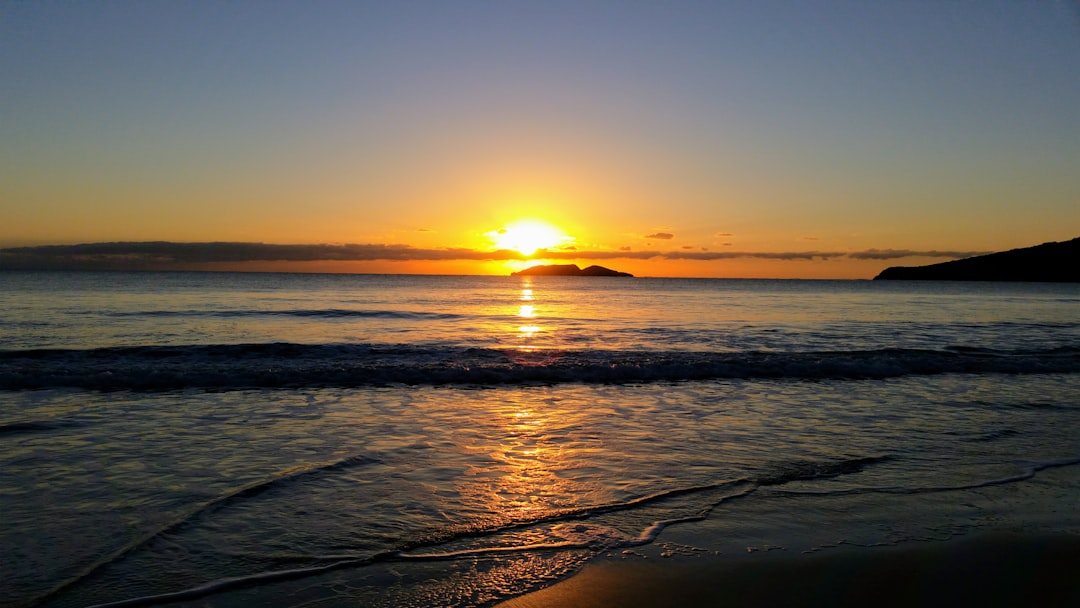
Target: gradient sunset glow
[{"x": 733, "y": 139}]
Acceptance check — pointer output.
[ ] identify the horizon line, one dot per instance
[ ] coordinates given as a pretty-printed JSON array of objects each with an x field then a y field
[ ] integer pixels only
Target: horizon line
[{"x": 158, "y": 253}]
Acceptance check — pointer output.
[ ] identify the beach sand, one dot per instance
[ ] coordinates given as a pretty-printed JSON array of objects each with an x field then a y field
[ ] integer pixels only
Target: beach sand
[{"x": 986, "y": 570}]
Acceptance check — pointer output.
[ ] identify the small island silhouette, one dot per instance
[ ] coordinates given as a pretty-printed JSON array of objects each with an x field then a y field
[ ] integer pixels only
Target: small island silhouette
[
  {"x": 1050, "y": 262},
  {"x": 569, "y": 270}
]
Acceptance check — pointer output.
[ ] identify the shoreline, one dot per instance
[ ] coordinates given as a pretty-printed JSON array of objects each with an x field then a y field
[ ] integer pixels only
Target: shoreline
[{"x": 987, "y": 569}]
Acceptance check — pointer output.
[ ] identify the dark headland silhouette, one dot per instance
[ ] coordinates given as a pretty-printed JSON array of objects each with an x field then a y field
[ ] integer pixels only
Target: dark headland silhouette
[
  {"x": 1049, "y": 262},
  {"x": 569, "y": 270}
]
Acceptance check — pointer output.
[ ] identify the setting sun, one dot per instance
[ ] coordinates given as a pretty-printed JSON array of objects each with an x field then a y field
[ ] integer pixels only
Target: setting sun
[{"x": 528, "y": 236}]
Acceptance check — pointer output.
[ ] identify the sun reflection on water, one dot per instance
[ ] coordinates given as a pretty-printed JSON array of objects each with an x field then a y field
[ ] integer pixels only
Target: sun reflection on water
[
  {"x": 534, "y": 454},
  {"x": 528, "y": 331},
  {"x": 535, "y": 331},
  {"x": 527, "y": 311}
]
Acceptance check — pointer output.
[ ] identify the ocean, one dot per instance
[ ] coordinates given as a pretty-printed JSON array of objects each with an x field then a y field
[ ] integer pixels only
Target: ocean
[{"x": 236, "y": 439}]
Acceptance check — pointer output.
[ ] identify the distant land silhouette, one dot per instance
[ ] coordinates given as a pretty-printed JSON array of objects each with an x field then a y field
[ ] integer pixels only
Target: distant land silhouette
[
  {"x": 1049, "y": 262},
  {"x": 569, "y": 270}
]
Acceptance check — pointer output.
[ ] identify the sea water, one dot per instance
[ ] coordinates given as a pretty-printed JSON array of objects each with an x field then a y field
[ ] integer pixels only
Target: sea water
[{"x": 321, "y": 440}]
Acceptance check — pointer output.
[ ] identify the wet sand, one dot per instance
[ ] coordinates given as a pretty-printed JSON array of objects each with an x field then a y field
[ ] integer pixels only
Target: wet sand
[{"x": 987, "y": 570}]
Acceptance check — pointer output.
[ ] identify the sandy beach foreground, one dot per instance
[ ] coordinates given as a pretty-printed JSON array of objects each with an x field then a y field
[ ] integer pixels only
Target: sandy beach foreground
[{"x": 987, "y": 570}]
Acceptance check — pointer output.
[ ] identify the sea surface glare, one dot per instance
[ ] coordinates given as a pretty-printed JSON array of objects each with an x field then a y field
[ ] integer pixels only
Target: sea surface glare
[{"x": 322, "y": 440}]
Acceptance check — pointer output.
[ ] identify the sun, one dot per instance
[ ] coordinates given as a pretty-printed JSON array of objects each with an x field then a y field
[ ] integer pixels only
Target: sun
[{"x": 528, "y": 236}]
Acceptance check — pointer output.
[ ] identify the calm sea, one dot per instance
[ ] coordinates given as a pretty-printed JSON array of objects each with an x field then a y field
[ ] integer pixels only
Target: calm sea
[{"x": 321, "y": 440}]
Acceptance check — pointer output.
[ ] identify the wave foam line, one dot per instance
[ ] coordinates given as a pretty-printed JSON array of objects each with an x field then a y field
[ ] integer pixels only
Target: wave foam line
[
  {"x": 650, "y": 534},
  {"x": 246, "y": 491},
  {"x": 233, "y": 583},
  {"x": 647, "y": 536},
  {"x": 401, "y": 556},
  {"x": 387, "y": 556},
  {"x": 1027, "y": 473},
  {"x": 571, "y": 513}
]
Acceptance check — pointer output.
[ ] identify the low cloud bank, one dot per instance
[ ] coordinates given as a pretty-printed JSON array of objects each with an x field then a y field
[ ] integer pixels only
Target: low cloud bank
[
  {"x": 164, "y": 254},
  {"x": 892, "y": 254}
]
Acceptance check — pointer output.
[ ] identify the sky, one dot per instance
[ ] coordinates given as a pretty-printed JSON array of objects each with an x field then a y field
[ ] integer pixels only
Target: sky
[{"x": 688, "y": 138}]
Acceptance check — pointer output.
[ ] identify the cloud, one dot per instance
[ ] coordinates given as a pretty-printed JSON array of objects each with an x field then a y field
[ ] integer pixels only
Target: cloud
[
  {"x": 165, "y": 255},
  {"x": 667, "y": 236},
  {"x": 809, "y": 238},
  {"x": 691, "y": 255},
  {"x": 892, "y": 254},
  {"x": 705, "y": 255},
  {"x": 723, "y": 234}
]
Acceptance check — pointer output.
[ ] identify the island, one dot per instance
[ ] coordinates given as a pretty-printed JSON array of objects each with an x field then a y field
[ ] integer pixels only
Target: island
[
  {"x": 569, "y": 270},
  {"x": 1050, "y": 262}
]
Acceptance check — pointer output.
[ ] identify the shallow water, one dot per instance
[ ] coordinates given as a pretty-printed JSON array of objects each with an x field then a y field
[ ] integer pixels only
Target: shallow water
[{"x": 409, "y": 441}]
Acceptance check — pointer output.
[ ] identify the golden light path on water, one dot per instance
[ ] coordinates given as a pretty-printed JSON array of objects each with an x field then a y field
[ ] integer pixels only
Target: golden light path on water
[
  {"x": 534, "y": 441},
  {"x": 529, "y": 312},
  {"x": 537, "y": 465}
]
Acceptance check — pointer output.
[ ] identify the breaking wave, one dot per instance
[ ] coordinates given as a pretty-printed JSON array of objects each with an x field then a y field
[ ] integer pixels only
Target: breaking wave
[{"x": 291, "y": 365}]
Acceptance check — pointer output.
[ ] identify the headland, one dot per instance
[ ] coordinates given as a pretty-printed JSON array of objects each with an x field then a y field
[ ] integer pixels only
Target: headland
[{"x": 1049, "y": 262}]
